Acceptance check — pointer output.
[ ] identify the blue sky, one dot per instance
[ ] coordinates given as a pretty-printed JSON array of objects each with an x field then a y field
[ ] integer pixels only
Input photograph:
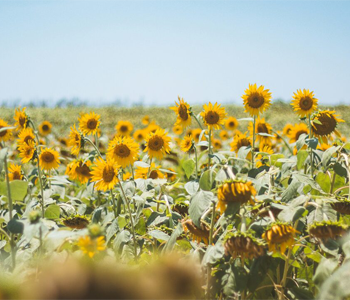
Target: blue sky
[{"x": 156, "y": 50}]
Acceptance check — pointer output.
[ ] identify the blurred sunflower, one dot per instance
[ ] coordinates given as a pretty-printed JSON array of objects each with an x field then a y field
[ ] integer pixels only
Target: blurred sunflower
[
  {"x": 183, "y": 113},
  {"x": 177, "y": 129},
  {"x": 261, "y": 127},
  {"x": 91, "y": 246},
  {"x": 15, "y": 172},
  {"x": 79, "y": 170},
  {"x": 171, "y": 176},
  {"x": 304, "y": 103},
  {"x": 213, "y": 115},
  {"x": 297, "y": 130},
  {"x": 223, "y": 135},
  {"x": 217, "y": 145},
  {"x": 26, "y": 151},
  {"x": 21, "y": 118},
  {"x": 75, "y": 140},
  {"x": 196, "y": 133},
  {"x": 63, "y": 141},
  {"x": 139, "y": 135},
  {"x": 89, "y": 123},
  {"x": 25, "y": 136},
  {"x": 323, "y": 124},
  {"x": 154, "y": 173},
  {"x": 287, "y": 130},
  {"x": 145, "y": 120},
  {"x": 48, "y": 159},
  {"x": 152, "y": 127},
  {"x": 5, "y": 134},
  {"x": 105, "y": 174},
  {"x": 45, "y": 128},
  {"x": 126, "y": 176},
  {"x": 123, "y": 150},
  {"x": 124, "y": 128},
  {"x": 279, "y": 237},
  {"x": 197, "y": 233},
  {"x": 240, "y": 140},
  {"x": 157, "y": 144},
  {"x": 187, "y": 143},
  {"x": 342, "y": 206},
  {"x": 327, "y": 229},
  {"x": 256, "y": 99},
  {"x": 323, "y": 146},
  {"x": 262, "y": 159},
  {"x": 231, "y": 123},
  {"x": 76, "y": 222}
]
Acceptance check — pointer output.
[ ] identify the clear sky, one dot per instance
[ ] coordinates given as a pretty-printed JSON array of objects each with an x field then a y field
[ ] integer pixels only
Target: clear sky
[{"x": 156, "y": 50}]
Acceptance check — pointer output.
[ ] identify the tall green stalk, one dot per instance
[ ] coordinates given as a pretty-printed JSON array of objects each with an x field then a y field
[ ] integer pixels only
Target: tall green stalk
[{"x": 253, "y": 146}]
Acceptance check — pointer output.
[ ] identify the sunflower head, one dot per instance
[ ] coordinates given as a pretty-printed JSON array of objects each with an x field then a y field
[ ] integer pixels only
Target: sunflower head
[
  {"x": 342, "y": 206},
  {"x": 145, "y": 120},
  {"x": 152, "y": 172},
  {"x": 157, "y": 144},
  {"x": 171, "y": 176},
  {"x": 27, "y": 151},
  {"x": 187, "y": 143},
  {"x": 231, "y": 123},
  {"x": 45, "y": 128},
  {"x": 48, "y": 159},
  {"x": 323, "y": 125},
  {"x": 76, "y": 222},
  {"x": 104, "y": 174},
  {"x": 327, "y": 230},
  {"x": 197, "y": 233},
  {"x": 21, "y": 118},
  {"x": 296, "y": 131},
  {"x": 304, "y": 103},
  {"x": 5, "y": 134},
  {"x": 15, "y": 172},
  {"x": 139, "y": 135},
  {"x": 213, "y": 115},
  {"x": 256, "y": 99},
  {"x": 287, "y": 130},
  {"x": 177, "y": 129},
  {"x": 238, "y": 191},
  {"x": 224, "y": 135},
  {"x": 89, "y": 123},
  {"x": 25, "y": 136},
  {"x": 124, "y": 128},
  {"x": 79, "y": 170},
  {"x": 91, "y": 246},
  {"x": 279, "y": 237},
  {"x": 262, "y": 159},
  {"x": 241, "y": 140},
  {"x": 261, "y": 128},
  {"x": 183, "y": 113},
  {"x": 75, "y": 140},
  {"x": 123, "y": 150},
  {"x": 217, "y": 145}
]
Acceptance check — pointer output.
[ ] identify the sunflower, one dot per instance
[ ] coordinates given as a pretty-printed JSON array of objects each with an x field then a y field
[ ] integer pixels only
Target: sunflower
[
  {"x": 21, "y": 118},
  {"x": 25, "y": 136},
  {"x": 124, "y": 128},
  {"x": 323, "y": 124},
  {"x": 236, "y": 191},
  {"x": 183, "y": 113},
  {"x": 145, "y": 120},
  {"x": 223, "y": 135},
  {"x": 287, "y": 130},
  {"x": 75, "y": 140},
  {"x": 152, "y": 127},
  {"x": 5, "y": 134},
  {"x": 261, "y": 127},
  {"x": 157, "y": 144},
  {"x": 342, "y": 206},
  {"x": 76, "y": 222},
  {"x": 171, "y": 176},
  {"x": 91, "y": 246},
  {"x": 213, "y": 116},
  {"x": 231, "y": 123},
  {"x": 123, "y": 150},
  {"x": 126, "y": 176},
  {"x": 48, "y": 159},
  {"x": 15, "y": 172},
  {"x": 240, "y": 140},
  {"x": 187, "y": 143},
  {"x": 297, "y": 131},
  {"x": 217, "y": 145},
  {"x": 327, "y": 230},
  {"x": 262, "y": 159},
  {"x": 196, "y": 133},
  {"x": 45, "y": 128},
  {"x": 304, "y": 103},
  {"x": 197, "y": 233},
  {"x": 279, "y": 236},
  {"x": 79, "y": 170},
  {"x": 89, "y": 123},
  {"x": 139, "y": 135},
  {"x": 323, "y": 146},
  {"x": 256, "y": 99},
  {"x": 177, "y": 129},
  {"x": 243, "y": 244},
  {"x": 154, "y": 173},
  {"x": 27, "y": 151},
  {"x": 105, "y": 174},
  {"x": 63, "y": 141}
]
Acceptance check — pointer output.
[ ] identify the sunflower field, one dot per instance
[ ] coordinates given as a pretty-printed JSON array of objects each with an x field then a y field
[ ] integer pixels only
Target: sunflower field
[{"x": 210, "y": 206}]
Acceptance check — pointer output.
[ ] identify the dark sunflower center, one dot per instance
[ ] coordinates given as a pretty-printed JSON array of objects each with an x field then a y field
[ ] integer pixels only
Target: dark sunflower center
[
  {"x": 28, "y": 151},
  {"x": 124, "y": 128},
  {"x": 299, "y": 133},
  {"x": 183, "y": 112},
  {"x": 262, "y": 128},
  {"x": 22, "y": 120},
  {"x": 255, "y": 100},
  {"x": 156, "y": 143},
  {"x": 77, "y": 138},
  {"x": 3, "y": 133},
  {"x": 108, "y": 174},
  {"x": 327, "y": 126},
  {"x": 46, "y": 127},
  {"x": 305, "y": 103},
  {"x": 48, "y": 157},
  {"x": 231, "y": 124},
  {"x": 122, "y": 150},
  {"x": 153, "y": 174},
  {"x": 91, "y": 124},
  {"x": 83, "y": 170},
  {"x": 16, "y": 175},
  {"x": 212, "y": 117},
  {"x": 140, "y": 136},
  {"x": 63, "y": 142},
  {"x": 28, "y": 138}
]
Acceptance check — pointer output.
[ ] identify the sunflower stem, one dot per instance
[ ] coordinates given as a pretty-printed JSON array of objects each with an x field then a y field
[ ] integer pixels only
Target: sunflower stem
[
  {"x": 209, "y": 150},
  {"x": 96, "y": 140},
  {"x": 93, "y": 145},
  {"x": 196, "y": 157},
  {"x": 285, "y": 272},
  {"x": 284, "y": 141},
  {"x": 41, "y": 190},
  {"x": 212, "y": 223},
  {"x": 193, "y": 115},
  {"x": 253, "y": 148},
  {"x": 114, "y": 205},
  {"x": 310, "y": 149},
  {"x": 149, "y": 169}
]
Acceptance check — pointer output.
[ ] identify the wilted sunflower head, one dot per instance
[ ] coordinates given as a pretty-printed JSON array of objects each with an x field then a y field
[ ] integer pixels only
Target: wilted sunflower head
[
  {"x": 15, "y": 172},
  {"x": 139, "y": 135},
  {"x": 48, "y": 159},
  {"x": 342, "y": 206},
  {"x": 243, "y": 244},
  {"x": 124, "y": 128},
  {"x": 183, "y": 113},
  {"x": 279, "y": 237},
  {"x": 21, "y": 118},
  {"x": 231, "y": 123},
  {"x": 261, "y": 128},
  {"x": 304, "y": 103},
  {"x": 177, "y": 129},
  {"x": 5, "y": 134},
  {"x": 27, "y": 151},
  {"x": 197, "y": 233},
  {"x": 79, "y": 170},
  {"x": 104, "y": 174},
  {"x": 327, "y": 230},
  {"x": 256, "y": 99},
  {"x": 76, "y": 222},
  {"x": 89, "y": 123},
  {"x": 187, "y": 143},
  {"x": 123, "y": 150},
  {"x": 157, "y": 144},
  {"x": 235, "y": 191},
  {"x": 323, "y": 125},
  {"x": 75, "y": 140},
  {"x": 213, "y": 115},
  {"x": 45, "y": 128}
]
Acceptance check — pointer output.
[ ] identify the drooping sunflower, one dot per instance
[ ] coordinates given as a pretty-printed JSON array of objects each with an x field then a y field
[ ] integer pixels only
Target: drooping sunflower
[
  {"x": 157, "y": 144},
  {"x": 231, "y": 123},
  {"x": 145, "y": 120},
  {"x": 304, "y": 103},
  {"x": 105, "y": 174},
  {"x": 75, "y": 140},
  {"x": 197, "y": 233},
  {"x": 123, "y": 150},
  {"x": 327, "y": 230},
  {"x": 187, "y": 143},
  {"x": 235, "y": 191},
  {"x": 324, "y": 124},
  {"x": 213, "y": 115},
  {"x": 76, "y": 222},
  {"x": 90, "y": 246},
  {"x": 224, "y": 135},
  {"x": 79, "y": 170},
  {"x": 256, "y": 99},
  {"x": 261, "y": 127},
  {"x": 45, "y": 128},
  {"x": 139, "y": 135},
  {"x": 342, "y": 206},
  {"x": 48, "y": 159},
  {"x": 279, "y": 237},
  {"x": 154, "y": 172},
  {"x": 177, "y": 129},
  {"x": 297, "y": 130},
  {"x": 5, "y": 134},
  {"x": 21, "y": 118},
  {"x": 25, "y": 136},
  {"x": 27, "y": 151},
  {"x": 124, "y": 128},
  {"x": 89, "y": 123},
  {"x": 15, "y": 172},
  {"x": 240, "y": 140},
  {"x": 182, "y": 110}
]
